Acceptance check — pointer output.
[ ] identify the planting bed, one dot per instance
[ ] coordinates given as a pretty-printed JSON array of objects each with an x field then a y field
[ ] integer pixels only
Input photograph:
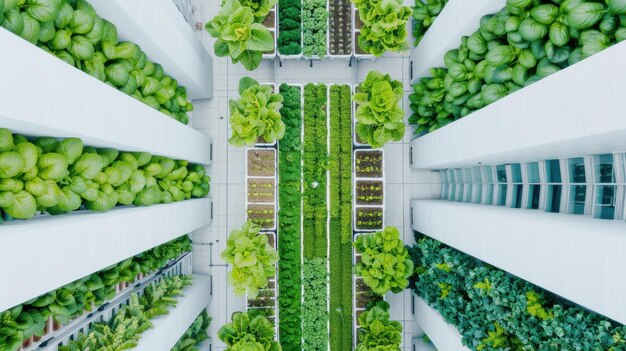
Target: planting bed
[
  {"x": 368, "y": 164},
  {"x": 289, "y": 27},
  {"x": 261, "y": 190},
  {"x": 369, "y": 218},
  {"x": 261, "y": 163},
  {"x": 265, "y": 302},
  {"x": 263, "y": 215},
  {"x": 340, "y": 27},
  {"x": 369, "y": 192}
]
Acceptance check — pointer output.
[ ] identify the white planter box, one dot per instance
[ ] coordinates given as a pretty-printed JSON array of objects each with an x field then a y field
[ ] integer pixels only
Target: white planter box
[
  {"x": 47, "y": 249},
  {"x": 458, "y": 18},
  {"x": 577, "y": 111},
  {"x": 66, "y": 102},
  {"x": 166, "y": 37},
  {"x": 575, "y": 257},
  {"x": 443, "y": 335},
  {"x": 274, "y": 32}
]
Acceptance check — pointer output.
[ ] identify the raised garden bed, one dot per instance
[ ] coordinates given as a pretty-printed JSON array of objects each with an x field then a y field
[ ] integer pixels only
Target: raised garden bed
[
  {"x": 270, "y": 23},
  {"x": 368, "y": 164},
  {"x": 340, "y": 27},
  {"x": 369, "y": 192},
  {"x": 261, "y": 190},
  {"x": 369, "y": 218},
  {"x": 263, "y": 215},
  {"x": 261, "y": 163}
]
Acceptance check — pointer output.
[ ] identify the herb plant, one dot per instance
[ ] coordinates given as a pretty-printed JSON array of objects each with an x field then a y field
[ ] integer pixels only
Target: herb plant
[
  {"x": 290, "y": 27},
  {"x": 314, "y": 27},
  {"x": 424, "y": 14},
  {"x": 195, "y": 334}
]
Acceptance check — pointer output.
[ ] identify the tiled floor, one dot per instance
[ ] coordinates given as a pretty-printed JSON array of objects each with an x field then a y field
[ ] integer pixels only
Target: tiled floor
[{"x": 227, "y": 173}]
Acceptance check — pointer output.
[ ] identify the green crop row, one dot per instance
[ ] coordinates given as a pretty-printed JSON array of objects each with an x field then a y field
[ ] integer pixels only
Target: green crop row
[
  {"x": 315, "y": 159},
  {"x": 289, "y": 220},
  {"x": 314, "y": 27},
  {"x": 289, "y": 27},
  {"x": 340, "y": 167},
  {"x": 494, "y": 310},
  {"x": 314, "y": 313}
]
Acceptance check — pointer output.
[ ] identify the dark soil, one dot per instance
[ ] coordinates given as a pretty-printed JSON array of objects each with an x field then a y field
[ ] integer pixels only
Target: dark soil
[
  {"x": 270, "y": 20},
  {"x": 340, "y": 27},
  {"x": 358, "y": 23},
  {"x": 356, "y": 45},
  {"x": 261, "y": 190},
  {"x": 369, "y": 164},
  {"x": 369, "y": 192},
  {"x": 261, "y": 163},
  {"x": 263, "y": 215},
  {"x": 369, "y": 218}
]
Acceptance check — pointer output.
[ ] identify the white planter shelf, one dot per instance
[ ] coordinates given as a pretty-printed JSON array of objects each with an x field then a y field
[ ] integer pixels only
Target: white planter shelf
[
  {"x": 458, "y": 18},
  {"x": 44, "y": 96},
  {"x": 577, "y": 111},
  {"x": 53, "y": 251},
  {"x": 169, "y": 328},
  {"x": 576, "y": 257},
  {"x": 443, "y": 335},
  {"x": 166, "y": 37}
]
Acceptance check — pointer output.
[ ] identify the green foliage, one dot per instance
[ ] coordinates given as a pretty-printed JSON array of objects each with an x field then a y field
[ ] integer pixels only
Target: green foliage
[
  {"x": 377, "y": 332},
  {"x": 289, "y": 27},
  {"x": 239, "y": 36},
  {"x": 494, "y": 310},
  {"x": 124, "y": 330},
  {"x": 60, "y": 176},
  {"x": 524, "y": 42},
  {"x": 340, "y": 228},
  {"x": 72, "y": 31},
  {"x": 289, "y": 221},
  {"x": 247, "y": 333},
  {"x": 315, "y": 159},
  {"x": 385, "y": 263},
  {"x": 256, "y": 114},
  {"x": 314, "y": 313},
  {"x": 380, "y": 117},
  {"x": 261, "y": 8},
  {"x": 384, "y": 25},
  {"x": 72, "y": 300},
  {"x": 195, "y": 334},
  {"x": 424, "y": 15},
  {"x": 314, "y": 27},
  {"x": 253, "y": 259}
]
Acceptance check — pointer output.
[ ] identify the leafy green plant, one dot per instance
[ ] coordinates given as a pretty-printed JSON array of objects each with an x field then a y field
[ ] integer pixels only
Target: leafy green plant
[
  {"x": 385, "y": 263},
  {"x": 195, "y": 334},
  {"x": 424, "y": 14},
  {"x": 239, "y": 36},
  {"x": 380, "y": 117},
  {"x": 289, "y": 221},
  {"x": 314, "y": 313},
  {"x": 289, "y": 27},
  {"x": 124, "y": 330},
  {"x": 384, "y": 25},
  {"x": 340, "y": 226},
  {"x": 521, "y": 44},
  {"x": 73, "y": 32},
  {"x": 314, "y": 27},
  {"x": 256, "y": 114},
  {"x": 376, "y": 331},
  {"x": 261, "y": 8},
  {"x": 252, "y": 258},
  {"x": 496, "y": 310},
  {"x": 247, "y": 332},
  {"x": 61, "y": 176}
]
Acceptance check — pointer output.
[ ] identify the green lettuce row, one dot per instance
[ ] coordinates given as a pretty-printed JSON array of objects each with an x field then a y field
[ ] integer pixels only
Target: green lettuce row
[
  {"x": 72, "y": 300},
  {"x": 239, "y": 34},
  {"x": 260, "y": 8},
  {"x": 60, "y": 176},
  {"x": 249, "y": 331},
  {"x": 425, "y": 13},
  {"x": 125, "y": 329},
  {"x": 385, "y": 263},
  {"x": 315, "y": 159},
  {"x": 195, "y": 334},
  {"x": 340, "y": 235},
  {"x": 377, "y": 331},
  {"x": 494, "y": 310},
  {"x": 379, "y": 115},
  {"x": 314, "y": 27},
  {"x": 521, "y": 44},
  {"x": 384, "y": 26},
  {"x": 256, "y": 114},
  {"x": 73, "y": 32},
  {"x": 314, "y": 313},
  {"x": 289, "y": 27},
  {"x": 289, "y": 221}
]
